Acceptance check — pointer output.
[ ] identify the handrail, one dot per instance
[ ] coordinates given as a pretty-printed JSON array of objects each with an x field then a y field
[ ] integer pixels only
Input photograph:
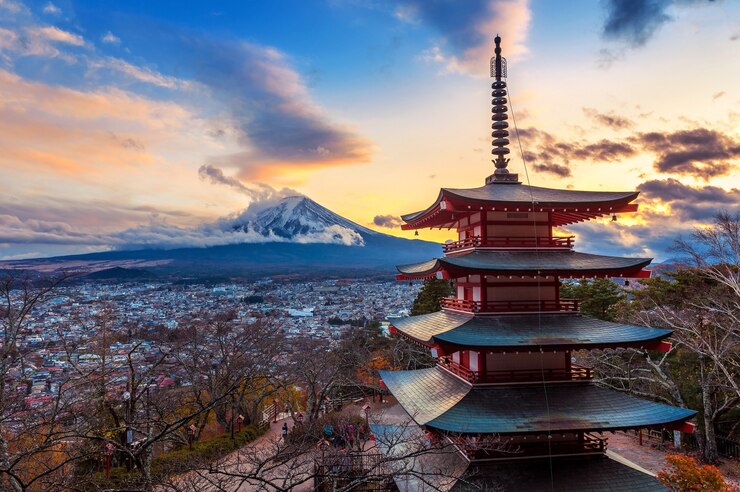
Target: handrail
[
  {"x": 576, "y": 373},
  {"x": 510, "y": 242},
  {"x": 568, "y": 305}
]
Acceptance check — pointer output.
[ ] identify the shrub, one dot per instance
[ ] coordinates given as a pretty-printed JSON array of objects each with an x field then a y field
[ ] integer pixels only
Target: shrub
[{"x": 685, "y": 474}]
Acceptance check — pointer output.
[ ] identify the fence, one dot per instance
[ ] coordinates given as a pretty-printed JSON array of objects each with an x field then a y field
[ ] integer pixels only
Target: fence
[
  {"x": 358, "y": 471},
  {"x": 726, "y": 448}
]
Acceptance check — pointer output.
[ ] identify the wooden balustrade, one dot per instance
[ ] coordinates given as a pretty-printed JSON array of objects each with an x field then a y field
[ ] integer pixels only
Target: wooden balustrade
[
  {"x": 510, "y": 242},
  {"x": 567, "y": 305},
  {"x": 576, "y": 373}
]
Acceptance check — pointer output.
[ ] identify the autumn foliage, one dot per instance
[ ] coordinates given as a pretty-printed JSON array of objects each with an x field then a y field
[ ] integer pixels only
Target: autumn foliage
[{"x": 685, "y": 474}]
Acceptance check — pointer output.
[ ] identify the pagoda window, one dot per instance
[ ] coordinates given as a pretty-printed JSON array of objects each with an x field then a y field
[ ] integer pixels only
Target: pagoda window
[
  {"x": 476, "y": 294},
  {"x": 472, "y": 360}
]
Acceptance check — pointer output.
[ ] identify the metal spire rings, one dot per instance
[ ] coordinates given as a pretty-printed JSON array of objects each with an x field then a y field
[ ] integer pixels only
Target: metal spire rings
[{"x": 500, "y": 124}]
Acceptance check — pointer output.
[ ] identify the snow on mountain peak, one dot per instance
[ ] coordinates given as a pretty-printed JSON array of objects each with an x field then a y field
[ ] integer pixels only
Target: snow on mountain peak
[{"x": 302, "y": 220}]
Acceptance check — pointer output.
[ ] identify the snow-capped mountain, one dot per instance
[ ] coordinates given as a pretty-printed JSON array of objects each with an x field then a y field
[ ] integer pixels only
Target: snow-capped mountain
[
  {"x": 293, "y": 236},
  {"x": 301, "y": 219}
]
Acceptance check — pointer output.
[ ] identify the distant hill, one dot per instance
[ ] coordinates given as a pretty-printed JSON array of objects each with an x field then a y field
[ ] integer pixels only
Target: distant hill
[
  {"x": 296, "y": 236},
  {"x": 119, "y": 274}
]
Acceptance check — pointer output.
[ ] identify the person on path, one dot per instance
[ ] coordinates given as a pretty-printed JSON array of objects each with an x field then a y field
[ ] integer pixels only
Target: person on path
[{"x": 285, "y": 432}]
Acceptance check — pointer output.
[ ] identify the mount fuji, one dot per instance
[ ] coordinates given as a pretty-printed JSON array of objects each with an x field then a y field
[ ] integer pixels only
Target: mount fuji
[
  {"x": 296, "y": 235},
  {"x": 301, "y": 219}
]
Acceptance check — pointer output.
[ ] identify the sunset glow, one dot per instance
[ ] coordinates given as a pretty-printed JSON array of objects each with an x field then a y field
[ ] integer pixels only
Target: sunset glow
[{"x": 125, "y": 123}]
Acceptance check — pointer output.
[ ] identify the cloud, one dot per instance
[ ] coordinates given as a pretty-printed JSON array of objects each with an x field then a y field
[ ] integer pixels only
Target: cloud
[
  {"x": 260, "y": 194},
  {"x": 553, "y": 156},
  {"x": 140, "y": 74},
  {"x": 51, "y": 9},
  {"x": 389, "y": 221},
  {"x": 407, "y": 13},
  {"x": 668, "y": 208},
  {"x": 634, "y": 22},
  {"x": 56, "y": 35},
  {"x": 556, "y": 169},
  {"x": 699, "y": 152},
  {"x": 38, "y": 41},
  {"x": 693, "y": 203},
  {"x": 467, "y": 30},
  {"x": 278, "y": 126},
  {"x": 12, "y": 6},
  {"x": 273, "y": 125},
  {"x": 158, "y": 233},
  {"x": 609, "y": 120},
  {"x": 110, "y": 38}
]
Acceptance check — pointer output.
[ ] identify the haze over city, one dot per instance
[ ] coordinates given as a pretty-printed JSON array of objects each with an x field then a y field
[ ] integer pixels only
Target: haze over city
[{"x": 137, "y": 123}]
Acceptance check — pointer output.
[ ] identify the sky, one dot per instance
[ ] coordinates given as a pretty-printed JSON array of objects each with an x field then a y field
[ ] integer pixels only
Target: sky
[{"x": 135, "y": 123}]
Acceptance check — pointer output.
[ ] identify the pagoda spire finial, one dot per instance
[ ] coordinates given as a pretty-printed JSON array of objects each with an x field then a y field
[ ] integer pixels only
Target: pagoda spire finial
[{"x": 500, "y": 133}]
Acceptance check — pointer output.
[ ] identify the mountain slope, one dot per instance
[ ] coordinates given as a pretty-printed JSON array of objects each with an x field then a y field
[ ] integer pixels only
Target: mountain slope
[
  {"x": 308, "y": 239},
  {"x": 299, "y": 215}
]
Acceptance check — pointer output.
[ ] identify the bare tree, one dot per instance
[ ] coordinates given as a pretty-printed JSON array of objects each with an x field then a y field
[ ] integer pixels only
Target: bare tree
[
  {"x": 702, "y": 306},
  {"x": 34, "y": 433},
  {"x": 232, "y": 366}
]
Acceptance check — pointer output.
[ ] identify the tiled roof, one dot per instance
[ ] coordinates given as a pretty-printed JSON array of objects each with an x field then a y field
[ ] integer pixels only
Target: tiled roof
[
  {"x": 418, "y": 388},
  {"x": 546, "y": 262},
  {"x": 546, "y": 197},
  {"x": 571, "y": 474},
  {"x": 524, "y": 330},
  {"x": 449, "y": 471},
  {"x": 435, "y": 398}
]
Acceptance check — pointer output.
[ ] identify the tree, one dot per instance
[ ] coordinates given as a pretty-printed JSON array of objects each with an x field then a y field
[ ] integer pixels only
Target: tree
[
  {"x": 598, "y": 296},
  {"x": 34, "y": 436},
  {"x": 685, "y": 474},
  {"x": 702, "y": 306},
  {"x": 427, "y": 301},
  {"x": 230, "y": 364}
]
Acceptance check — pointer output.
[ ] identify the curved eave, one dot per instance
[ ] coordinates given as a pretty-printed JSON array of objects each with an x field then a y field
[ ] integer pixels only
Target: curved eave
[
  {"x": 524, "y": 332},
  {"x": 592, "y": 473},
  {"x": 453, "y": 204},
  {"x": 529, "y": 263},
  {"x": 439, "y": 400},
  {"x": 571, "y": 473}
]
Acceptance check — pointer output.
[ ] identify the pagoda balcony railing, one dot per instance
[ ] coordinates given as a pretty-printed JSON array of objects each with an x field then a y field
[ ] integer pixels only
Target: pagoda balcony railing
[
  {"x": 536, "y": 445},
  {"x": 576, "y": 373},
  {"x": 566, "y": 305},
  {"x": 510, "y": 242}
]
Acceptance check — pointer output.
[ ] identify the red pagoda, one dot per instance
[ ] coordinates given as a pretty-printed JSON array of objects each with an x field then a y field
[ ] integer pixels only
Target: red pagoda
[{"x": 503, "y": 343}]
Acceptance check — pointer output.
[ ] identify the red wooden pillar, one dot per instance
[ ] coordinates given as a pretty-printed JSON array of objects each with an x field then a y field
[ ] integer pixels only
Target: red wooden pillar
[
  {"x": 484, "y": 292},
  {"x": 482, "y": 367},
  {"x": 483, "y": 228}
]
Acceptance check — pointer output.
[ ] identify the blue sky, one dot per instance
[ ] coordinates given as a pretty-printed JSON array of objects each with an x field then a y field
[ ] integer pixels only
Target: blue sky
[{"x": 140, "y": 123}]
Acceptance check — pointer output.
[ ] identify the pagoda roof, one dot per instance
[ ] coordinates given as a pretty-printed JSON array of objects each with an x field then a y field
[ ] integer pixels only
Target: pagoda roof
[
  {"x": 439, "y": 400},
  {"x": 568, "y": 206},
  {"x": 563, "y": 263},
  {"x": 450, "y": 471},
  {"x": 525, "y": 331},
  {"x": 572, "y": 474}
]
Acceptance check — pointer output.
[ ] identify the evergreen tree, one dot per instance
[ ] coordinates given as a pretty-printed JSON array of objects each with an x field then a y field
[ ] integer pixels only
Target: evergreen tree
[
  {"x": 427, "y": 301},
  {"x": 598, "y": 296}
]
